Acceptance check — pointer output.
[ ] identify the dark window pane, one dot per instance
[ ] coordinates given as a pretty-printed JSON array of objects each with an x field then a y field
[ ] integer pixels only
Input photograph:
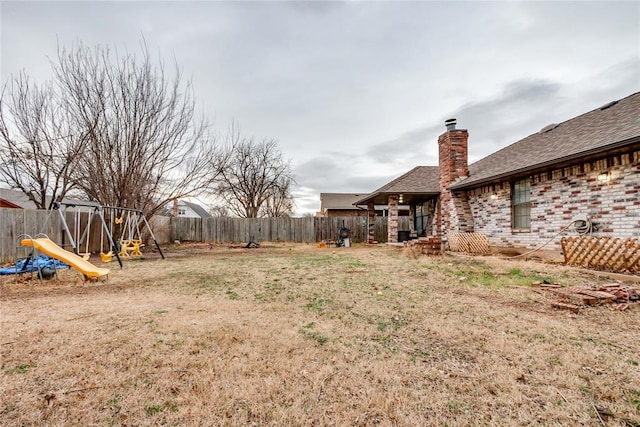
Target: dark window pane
[{"x": 521, "y": 198}]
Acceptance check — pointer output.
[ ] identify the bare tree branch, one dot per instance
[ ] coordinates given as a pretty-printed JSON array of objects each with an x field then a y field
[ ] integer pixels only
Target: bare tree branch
[
  {"x": 145, "y": 144},
  {"x": 38, "y": 144},
  {"x": 256, "y": 180},
  {"x": 281, "y": 202}
]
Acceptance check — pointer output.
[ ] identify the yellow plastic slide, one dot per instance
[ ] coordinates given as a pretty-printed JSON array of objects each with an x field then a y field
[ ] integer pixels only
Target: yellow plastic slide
[{"x": 48, "y": 247}]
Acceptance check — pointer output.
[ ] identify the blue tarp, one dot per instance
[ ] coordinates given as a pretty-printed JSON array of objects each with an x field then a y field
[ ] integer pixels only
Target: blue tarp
[{"x": 42, "y": 262}]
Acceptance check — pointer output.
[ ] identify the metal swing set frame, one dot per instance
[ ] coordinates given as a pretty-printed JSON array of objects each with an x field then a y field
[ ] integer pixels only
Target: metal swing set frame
[{"x": 135, "y": 218}]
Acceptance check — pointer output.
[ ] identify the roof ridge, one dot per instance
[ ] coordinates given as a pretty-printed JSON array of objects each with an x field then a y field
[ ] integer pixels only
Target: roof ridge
[{"x": 404, "y": 175}]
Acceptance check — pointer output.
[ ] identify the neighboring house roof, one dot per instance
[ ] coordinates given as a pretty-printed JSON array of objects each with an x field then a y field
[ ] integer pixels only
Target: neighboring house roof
[
  {"x": 339, "y": 200},
  {"x": 4, "y": 203},
  {"x": 16, "y": 197},
  {"x": 197, "y": 209},
  {"x": 22, "y": 200},
  {"x": 607, "y": 128},
  {"x": 344, "y": 201},
  {"x": 419, "y": 182}
]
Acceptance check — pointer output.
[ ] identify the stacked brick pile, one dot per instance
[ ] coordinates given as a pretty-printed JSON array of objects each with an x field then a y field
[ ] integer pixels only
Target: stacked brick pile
[
  {"x": 575, "y": 297},
  {"x": 425, "y": 245}
]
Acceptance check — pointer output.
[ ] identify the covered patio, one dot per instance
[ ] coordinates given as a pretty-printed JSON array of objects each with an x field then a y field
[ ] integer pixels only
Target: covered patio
[{"x": 417, "y": 189}]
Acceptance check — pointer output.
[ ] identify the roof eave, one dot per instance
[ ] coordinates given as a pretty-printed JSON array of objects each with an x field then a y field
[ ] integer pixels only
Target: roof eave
[
  {"x": 560, "y": 162},
  {"x": 365, "y": 201},
  {"x": 374, "y": 197}
]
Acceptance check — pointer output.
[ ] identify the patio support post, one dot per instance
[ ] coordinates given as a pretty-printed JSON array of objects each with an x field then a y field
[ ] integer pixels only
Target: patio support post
[
  {"x": 392, "y": 224},
  {"x": 412, "y": 218},
  {"x": 371, "y": 223}
]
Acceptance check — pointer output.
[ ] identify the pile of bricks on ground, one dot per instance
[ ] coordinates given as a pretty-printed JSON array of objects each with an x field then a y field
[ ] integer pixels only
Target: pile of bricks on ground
[
  {"x": 425, "y": 245},
  {"x": 575, "y": 297}
]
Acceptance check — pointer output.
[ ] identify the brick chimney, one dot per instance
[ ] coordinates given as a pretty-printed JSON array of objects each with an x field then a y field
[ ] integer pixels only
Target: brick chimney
[
  {"x": 174, "y": 208},
  {"x": 454, "y": 211},
  {"x": 453, "y": 154}
]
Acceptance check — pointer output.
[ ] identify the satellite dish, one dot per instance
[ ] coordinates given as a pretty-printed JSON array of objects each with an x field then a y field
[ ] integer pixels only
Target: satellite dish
[{"x": 548, "y": 128}]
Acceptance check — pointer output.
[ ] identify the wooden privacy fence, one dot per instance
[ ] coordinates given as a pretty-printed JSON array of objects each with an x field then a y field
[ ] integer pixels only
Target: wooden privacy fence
[
  {"x": 605, "y": 253},
  {"x": 475, "y": 243},
  {"x": 15, "y": 222},
  {"x": 308, "y": 229}
]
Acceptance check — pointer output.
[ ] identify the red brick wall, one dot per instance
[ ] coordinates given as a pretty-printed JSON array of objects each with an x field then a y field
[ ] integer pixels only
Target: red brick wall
[
  {"x": 454, "y": 210},
  {"x": 392, "y": 227},
  {"x": 558, "y": 197}
]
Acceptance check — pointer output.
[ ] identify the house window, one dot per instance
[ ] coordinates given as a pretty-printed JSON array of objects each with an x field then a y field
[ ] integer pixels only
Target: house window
[
  {"x": 182, "y": 212},
  {"x": 422, "y": 218},
  {"x": 521, "y": 204}
]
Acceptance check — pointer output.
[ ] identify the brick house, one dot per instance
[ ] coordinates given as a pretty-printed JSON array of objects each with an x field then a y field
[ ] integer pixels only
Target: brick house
[{"x": 523, "y": 195}]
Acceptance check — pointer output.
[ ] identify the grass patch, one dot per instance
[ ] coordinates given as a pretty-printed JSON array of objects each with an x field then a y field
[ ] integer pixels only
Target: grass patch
[
  {"x": 318, "y": 304},
  {"x": 155, "y": 409},
  {"x": 23, "y": 368},
  {"x": 308, "y": 333}
]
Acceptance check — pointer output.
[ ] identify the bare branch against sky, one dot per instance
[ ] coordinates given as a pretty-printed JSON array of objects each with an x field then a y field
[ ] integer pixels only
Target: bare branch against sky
[{"x": 356, "y": 92}]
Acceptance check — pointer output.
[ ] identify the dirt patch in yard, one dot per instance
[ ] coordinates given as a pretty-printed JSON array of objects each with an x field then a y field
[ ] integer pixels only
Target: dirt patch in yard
[{"x": 297, "y": 335}]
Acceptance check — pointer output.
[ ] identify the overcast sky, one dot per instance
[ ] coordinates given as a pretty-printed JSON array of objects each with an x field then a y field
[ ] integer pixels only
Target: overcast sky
[{"x": 357, "y": 93}]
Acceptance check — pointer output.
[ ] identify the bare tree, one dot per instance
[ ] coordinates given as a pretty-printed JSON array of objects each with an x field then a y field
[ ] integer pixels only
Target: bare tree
[
  {"x": 38, "y": 145},
  {"x": 280, "y": 203},
  {"x": 255, "y": 173},
  {"x": 218, "y": 211},
  {"x": 145, "y": 146},
  {"x": 117, "y": 128}
]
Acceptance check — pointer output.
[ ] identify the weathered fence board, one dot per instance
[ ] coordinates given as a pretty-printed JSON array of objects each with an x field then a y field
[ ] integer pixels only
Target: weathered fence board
[{"x": 15, "y": 224}]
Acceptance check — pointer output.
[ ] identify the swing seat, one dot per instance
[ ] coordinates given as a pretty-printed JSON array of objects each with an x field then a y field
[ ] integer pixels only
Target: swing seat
[
  {"x": 124, "y": 246},
  {"x": 135, "y": 247},
  {"x": 106, "y": 257},
  {"x": 130, "y": 248},
  {"x": 86, "y": 256}
]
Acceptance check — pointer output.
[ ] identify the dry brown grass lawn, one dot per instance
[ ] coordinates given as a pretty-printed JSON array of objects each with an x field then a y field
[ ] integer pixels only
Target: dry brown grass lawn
[{"x": 296, "y": 335}]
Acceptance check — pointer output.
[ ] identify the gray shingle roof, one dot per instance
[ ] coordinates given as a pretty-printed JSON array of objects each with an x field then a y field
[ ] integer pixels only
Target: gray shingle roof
[
  {"x": 419, "y": 181},
  {"x": 198, "y": 209},
  {"x": 19, "y": 198},
  {"x": 16, "y": 197},
  {"x": 345, "y": 201},
  {"x": 596, "y": 131},
  {"x": 339, "y": 200}
]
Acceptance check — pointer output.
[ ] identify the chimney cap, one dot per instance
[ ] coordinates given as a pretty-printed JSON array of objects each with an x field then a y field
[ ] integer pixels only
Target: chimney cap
[{"x": 450, "y": 124}]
